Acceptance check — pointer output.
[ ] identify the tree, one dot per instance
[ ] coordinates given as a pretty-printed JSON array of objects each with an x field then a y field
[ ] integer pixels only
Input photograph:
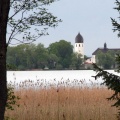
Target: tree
[
  {"x": 11, "y": 56},
  {"x": 22, "y": 56},
  {"x": 76, "y": 61},
  {"x": 29, "y": 55},
  {"x": 112, "y": 81},
  {"x": 4, "y": 11},
  {"x": 63, "y": 50},
  {"x": 41, "y": 56},
  {"x": 52, "y": 61},
  {"x": 21, "y": 17},
  {"x": 106, "y": 60}
]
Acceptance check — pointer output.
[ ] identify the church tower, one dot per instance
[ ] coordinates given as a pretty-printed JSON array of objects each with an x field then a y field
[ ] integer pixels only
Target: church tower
[
  {"x": 79, "y": 45},
  {"x": 105, "y": 46}
]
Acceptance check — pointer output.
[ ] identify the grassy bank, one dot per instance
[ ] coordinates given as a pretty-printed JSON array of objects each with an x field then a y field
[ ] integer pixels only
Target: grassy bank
[{"x": 64, "y": 104}]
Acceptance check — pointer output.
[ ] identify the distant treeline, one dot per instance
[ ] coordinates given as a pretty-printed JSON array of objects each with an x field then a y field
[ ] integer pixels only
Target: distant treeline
[
  {"x": 58, "y": 55},
  {"x": 107, "y": 60}
]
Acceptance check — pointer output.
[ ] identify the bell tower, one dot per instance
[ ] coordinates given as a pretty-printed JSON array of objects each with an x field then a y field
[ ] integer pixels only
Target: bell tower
[{"x": 79, "y": 45}]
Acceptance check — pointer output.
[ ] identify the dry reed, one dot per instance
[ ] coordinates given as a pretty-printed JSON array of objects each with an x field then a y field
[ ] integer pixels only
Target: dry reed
[{"x": 64, "y": 103}]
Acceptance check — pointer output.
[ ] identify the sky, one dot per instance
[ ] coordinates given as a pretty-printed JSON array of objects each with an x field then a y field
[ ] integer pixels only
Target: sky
[{"x": 89, "y": 17}]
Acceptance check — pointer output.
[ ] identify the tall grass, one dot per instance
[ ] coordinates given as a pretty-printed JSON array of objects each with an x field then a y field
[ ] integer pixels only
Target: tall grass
[{"x": 63, "y": 103}]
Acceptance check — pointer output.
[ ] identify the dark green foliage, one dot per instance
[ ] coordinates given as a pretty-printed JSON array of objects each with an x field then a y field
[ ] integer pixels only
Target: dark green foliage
[
  {"x": 106, "y": 60},
  {"x": 112, "y": 81},
  {"x": 11, "y": 67},
  {"x": 63, "y": 50},
  {"x": 21, "y": 21},
  {"x": 30, "y": 19},
  {"x": 118, "y": 62},
  {"x": 52, "y": 61},
  {"x": 58, "y": 55},
  {"x": 76, "y": 61},
  {"x": 115, "y": 22},
  {"x": 11, "y": 101}
]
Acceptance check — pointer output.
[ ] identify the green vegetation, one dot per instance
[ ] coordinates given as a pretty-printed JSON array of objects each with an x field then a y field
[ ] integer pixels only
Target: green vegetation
[
  {"x": 12, "y": 101},
  {"x": 58, "y": 55},
  {"x": 63, "y": 50},
  {"x": 106, "y": 60},
  {"x": 27, "y": 18},
  {"x": 112, "y": 81}
]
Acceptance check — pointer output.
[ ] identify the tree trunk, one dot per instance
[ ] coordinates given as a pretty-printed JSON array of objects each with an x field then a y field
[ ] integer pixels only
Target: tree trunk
[{"x": 4, "y": 12}]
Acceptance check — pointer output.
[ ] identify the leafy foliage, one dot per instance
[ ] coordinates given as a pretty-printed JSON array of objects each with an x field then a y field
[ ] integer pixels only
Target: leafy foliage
[
  {"x": 112, "y": 81},
  {"x": 118, "y": 62},
  {"x": 63, "y": 50},
  {"x": 58, "y": 55},
  {"x": 21, "y": 21},
  {"x": 11, "y": 101},
  {"x": 76, "y": 61},
  {"x": 106, "y": 60},
  {"x": 29, "y": 19},
  {"x": 115, "y": 23}
]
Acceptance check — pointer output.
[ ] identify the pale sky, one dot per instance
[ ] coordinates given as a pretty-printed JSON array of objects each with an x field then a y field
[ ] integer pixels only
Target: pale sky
[{"x": 89, "y": 17}]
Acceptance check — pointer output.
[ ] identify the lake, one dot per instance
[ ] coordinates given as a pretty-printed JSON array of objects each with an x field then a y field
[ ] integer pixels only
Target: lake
[{"x": 54, "y": 78}]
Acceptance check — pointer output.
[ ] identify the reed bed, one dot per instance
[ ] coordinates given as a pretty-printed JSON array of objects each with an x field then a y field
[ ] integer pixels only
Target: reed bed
[{"x": 62, "y": 102}]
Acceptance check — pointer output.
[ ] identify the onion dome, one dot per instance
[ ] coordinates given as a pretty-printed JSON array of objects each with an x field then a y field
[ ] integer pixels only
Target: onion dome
[{"x": 79, "y": 38}]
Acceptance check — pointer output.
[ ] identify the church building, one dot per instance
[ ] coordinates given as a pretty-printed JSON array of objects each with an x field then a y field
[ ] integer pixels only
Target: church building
[
  {"x": 103, "y": 50},
  {"x": 79, "y": 48},
  {"x": 79, "y": 45}
]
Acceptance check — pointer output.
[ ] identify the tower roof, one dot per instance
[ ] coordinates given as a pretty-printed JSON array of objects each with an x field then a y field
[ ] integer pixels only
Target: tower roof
[
  {"x": 79, "y": 38},
  {"x": 105, "y": 49}
]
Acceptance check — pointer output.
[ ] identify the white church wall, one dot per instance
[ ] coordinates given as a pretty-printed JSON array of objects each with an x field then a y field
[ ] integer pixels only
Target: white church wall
[
  {"x": 93, "y": 59},
  {"x": 79, "y": 48}
]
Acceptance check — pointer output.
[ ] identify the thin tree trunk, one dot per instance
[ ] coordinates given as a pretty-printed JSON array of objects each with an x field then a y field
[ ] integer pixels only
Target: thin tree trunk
[{"x": 4, "y": 11}]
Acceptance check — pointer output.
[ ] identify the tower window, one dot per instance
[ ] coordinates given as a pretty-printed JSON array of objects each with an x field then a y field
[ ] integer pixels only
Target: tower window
[
  {"x": 79, "y": 45},
  {"x": 76, "y": 45}
]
